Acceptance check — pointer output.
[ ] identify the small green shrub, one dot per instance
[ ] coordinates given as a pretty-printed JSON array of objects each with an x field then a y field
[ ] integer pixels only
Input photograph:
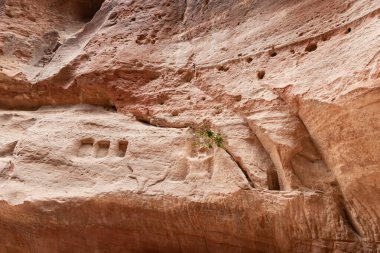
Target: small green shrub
[{"x": 206, "y": 138}]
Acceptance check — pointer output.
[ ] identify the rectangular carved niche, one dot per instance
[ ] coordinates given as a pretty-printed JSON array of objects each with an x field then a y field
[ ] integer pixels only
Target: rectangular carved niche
[{"x": 123, "y": 145}]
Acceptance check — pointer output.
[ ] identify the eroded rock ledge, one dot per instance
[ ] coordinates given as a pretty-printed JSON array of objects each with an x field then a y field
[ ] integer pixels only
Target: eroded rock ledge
[{"x": 99, "y": 100}]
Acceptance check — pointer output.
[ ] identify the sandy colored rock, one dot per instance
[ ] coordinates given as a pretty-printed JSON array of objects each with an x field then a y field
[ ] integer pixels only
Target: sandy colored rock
[{"x": 100, "y": 105}]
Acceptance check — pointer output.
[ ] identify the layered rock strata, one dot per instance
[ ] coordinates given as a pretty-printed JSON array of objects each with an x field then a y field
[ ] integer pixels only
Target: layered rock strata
[{"x": 100, "y": 101}]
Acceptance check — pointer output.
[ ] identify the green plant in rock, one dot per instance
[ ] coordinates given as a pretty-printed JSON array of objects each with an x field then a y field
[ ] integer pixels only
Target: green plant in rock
[{"x": 206, "y": 138}]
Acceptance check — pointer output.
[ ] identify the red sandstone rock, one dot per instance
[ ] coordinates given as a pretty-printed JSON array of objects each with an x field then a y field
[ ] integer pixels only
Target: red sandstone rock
[{"x": 292, "y": 86}]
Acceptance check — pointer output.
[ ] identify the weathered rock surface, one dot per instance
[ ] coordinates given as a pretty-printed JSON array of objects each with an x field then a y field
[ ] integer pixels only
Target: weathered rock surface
[{"x": 100, "y": 98}]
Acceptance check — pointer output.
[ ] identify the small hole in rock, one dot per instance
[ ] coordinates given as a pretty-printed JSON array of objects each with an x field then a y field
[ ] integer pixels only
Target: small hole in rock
[
  {"x": 325, "y": 38},
  {"x": 85, "y": 148},
  {"x": 102, "y": 148},
  {"x": 86, "y": 9},
  {"x": 223, "y": 68},
  {"x": 133, "y": 19},
  {"x": 272, "y": 180},
  {"x": 348, "y": 31},
  {"x": 113, "y": 15},
  {"x": 123, "y": 145},
  {"x": 249, "y": 59},
  {"x": 260, "y": 74},
  {"x": 292, "y": 51},
  {"x": 110, "y": 108},
  {"x": 272, "y": 53},
  {"x": 311, "y": 47}
]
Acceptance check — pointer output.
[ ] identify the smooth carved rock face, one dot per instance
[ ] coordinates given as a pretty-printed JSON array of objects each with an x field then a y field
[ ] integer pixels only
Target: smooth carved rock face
[{"x": 100, "y": 104}]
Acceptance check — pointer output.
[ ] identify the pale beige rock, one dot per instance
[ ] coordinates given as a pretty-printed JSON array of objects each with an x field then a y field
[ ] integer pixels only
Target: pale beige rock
[{"x": 292, "y": 86}]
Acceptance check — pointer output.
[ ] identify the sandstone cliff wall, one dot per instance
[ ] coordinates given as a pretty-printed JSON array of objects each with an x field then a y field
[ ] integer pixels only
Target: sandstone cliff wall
[{"x": 99, "y": 102}]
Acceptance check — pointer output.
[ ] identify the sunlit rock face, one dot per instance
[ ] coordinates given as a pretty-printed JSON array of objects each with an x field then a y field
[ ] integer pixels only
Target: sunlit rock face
[{"x": 104, "y": 103}]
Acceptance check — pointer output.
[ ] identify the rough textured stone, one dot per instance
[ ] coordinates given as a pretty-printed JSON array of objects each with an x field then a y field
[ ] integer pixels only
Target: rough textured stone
[{"x": 99, "y": 104}]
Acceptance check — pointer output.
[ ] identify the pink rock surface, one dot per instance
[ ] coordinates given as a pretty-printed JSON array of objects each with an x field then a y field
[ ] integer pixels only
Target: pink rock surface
[{"x": 101, "y": 100}]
